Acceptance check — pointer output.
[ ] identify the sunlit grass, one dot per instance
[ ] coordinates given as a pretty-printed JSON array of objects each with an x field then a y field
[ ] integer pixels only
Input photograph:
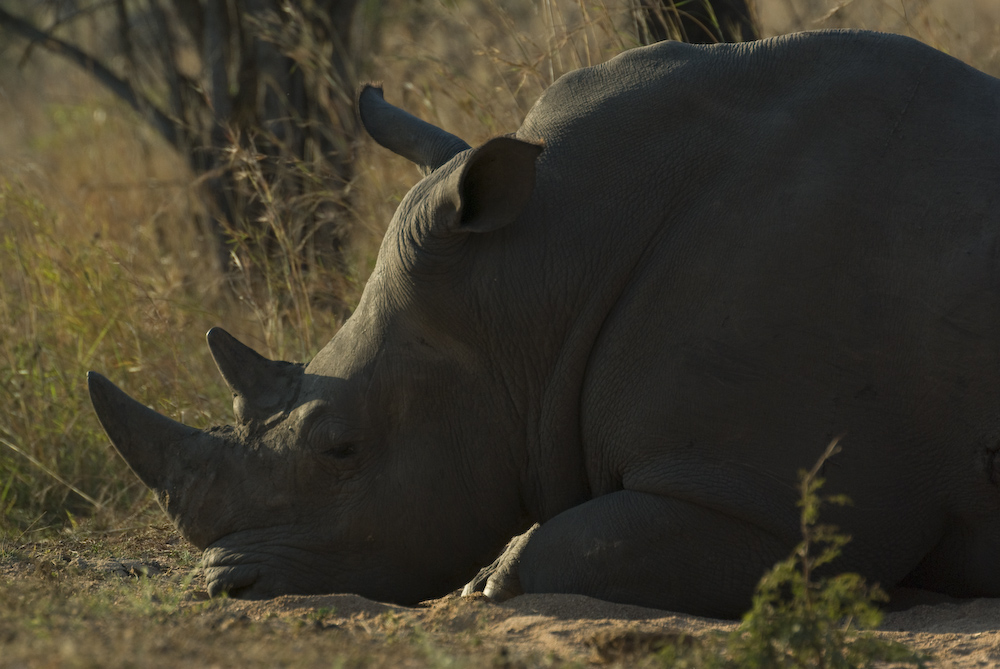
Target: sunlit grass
[{"x": 106, "y": 265}]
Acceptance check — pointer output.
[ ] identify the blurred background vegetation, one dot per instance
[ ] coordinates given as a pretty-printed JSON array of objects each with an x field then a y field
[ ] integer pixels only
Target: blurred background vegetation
[{"x": 202, "y": 168}]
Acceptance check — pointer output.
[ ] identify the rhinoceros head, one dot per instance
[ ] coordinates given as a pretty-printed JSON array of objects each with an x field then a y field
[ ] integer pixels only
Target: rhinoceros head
[
  {"x": 339, "y": 476},
  {"x": 383, "y": 467}
]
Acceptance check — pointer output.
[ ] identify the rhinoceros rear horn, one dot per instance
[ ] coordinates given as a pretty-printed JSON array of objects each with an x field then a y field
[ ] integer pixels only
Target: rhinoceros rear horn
[
  {"x": 261, "y": 387},
  {"x": 402, "y": 133}
]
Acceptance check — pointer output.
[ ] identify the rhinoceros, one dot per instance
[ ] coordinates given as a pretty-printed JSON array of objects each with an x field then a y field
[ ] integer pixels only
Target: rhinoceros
[{"x": 632, "y": 322}]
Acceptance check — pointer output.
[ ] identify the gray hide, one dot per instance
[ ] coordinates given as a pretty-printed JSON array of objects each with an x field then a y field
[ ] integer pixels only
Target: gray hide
[{"x": 633, "y": 321}]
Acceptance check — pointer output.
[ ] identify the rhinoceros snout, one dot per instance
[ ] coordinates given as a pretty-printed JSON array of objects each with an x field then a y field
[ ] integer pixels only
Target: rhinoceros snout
[
  {"x": 236, "y": 580},
  {"x": 257, "y": 574}
]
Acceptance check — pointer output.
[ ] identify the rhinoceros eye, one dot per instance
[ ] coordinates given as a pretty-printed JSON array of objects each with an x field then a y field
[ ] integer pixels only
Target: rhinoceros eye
[
  {"x": 341, "y": 451},
  {"x": 330, "y": 437}
]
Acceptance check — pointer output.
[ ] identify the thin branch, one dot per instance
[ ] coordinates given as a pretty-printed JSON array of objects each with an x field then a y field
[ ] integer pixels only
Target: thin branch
[
  {"x": 64, "y": 20},
  {"x": 38, "y": 463},
  {"x": 167, "y": 128}
]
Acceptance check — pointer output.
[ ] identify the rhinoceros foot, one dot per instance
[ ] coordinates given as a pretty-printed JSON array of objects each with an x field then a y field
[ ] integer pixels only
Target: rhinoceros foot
[{"x": 500, "y": 581}]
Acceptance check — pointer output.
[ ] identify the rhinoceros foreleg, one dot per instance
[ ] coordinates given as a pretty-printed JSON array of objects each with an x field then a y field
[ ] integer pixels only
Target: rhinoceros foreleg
[
  {"x": 651, "y": 550},
  {"x": 501, "y": 580}
]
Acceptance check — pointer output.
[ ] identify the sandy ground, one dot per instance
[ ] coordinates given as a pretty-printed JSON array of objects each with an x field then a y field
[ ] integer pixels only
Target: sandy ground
[
  {"x": 581, "y": 629},
  {"x": 88, "y": 602},
  {"x": 958, "y": 634}
]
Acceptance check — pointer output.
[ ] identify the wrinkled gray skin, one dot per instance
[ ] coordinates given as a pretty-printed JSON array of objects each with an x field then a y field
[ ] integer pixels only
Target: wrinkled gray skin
[{"x": 723, "y": 258}]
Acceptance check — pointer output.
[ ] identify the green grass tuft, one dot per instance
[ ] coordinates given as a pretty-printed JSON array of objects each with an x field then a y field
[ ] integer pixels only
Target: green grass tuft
[{"x": 800, "y": 619}]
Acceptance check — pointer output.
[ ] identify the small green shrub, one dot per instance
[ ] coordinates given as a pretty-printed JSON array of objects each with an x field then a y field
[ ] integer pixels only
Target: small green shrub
[{"x": 799, "y": 619}]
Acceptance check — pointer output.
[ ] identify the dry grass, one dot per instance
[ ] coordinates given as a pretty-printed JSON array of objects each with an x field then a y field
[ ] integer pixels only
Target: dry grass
[
  {"x": 966, "y": 29},
  {"x": 103, "y": 266}
]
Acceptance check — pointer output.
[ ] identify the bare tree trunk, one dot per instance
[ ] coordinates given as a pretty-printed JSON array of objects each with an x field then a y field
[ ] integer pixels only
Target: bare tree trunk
[
  {"x": 698, "y": 21},
  {"x": 275, "y": 77}
]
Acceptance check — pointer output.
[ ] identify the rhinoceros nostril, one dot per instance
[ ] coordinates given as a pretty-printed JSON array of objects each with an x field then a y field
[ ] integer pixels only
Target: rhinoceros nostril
[
  {"x": 217, "y": 589},
  {"x": 235, "y": 592}
]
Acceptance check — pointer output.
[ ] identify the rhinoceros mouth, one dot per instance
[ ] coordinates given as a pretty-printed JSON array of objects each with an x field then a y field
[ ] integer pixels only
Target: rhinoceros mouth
[
  {"x": 261, "y": 570},
  {"x": 234, "y": 573},
  {"x": 238, "y": 582}
]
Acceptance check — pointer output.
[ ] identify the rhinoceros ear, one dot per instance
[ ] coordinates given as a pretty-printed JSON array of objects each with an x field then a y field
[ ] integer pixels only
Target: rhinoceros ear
[
  {"x": 495, "y": 184},
  {"x": 261, "y": 387}
]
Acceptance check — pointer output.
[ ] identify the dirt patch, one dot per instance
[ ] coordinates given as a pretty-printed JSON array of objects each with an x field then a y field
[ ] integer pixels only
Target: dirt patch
[
  {"x": 578, "y": 629},
  {"x": 138, "y": 600}
]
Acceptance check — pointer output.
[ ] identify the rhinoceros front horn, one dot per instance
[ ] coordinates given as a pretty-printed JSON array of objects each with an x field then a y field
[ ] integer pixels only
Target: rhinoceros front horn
[
  {"x": 147, "y": 440},
  {"x": 176, "y": 461},
  {"x": 261, "y": 387}
]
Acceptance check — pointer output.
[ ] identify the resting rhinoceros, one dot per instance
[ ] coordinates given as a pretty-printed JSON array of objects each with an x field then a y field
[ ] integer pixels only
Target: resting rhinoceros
[{"x": 633, "y": 321}]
